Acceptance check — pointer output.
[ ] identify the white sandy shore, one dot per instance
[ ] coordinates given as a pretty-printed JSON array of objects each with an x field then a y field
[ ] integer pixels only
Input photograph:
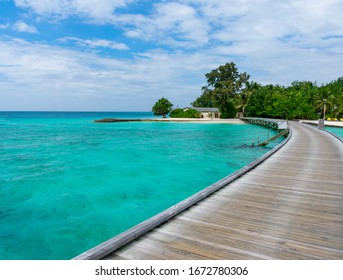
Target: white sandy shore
[
  {"x": 229, "y": 121},
  {"x": 238, "y": 121},
  {"x": 327, "y": 123}
]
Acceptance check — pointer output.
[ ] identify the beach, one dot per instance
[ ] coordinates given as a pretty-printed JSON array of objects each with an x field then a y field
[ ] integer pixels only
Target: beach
[
  {"x": 327, "y": 123},
  {"x": 239, "y": 121},
  {"x": 188, "y": 120},
  {"x": 206, "y": 120}
]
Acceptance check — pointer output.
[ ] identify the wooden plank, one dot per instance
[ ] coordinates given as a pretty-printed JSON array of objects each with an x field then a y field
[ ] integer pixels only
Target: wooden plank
[{"x": 277, "y": 136}]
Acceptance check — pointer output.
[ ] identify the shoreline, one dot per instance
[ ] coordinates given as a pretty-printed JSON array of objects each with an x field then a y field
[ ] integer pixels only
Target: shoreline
[
  {"x": 229, "y": 121},
  {"x": 326, "y": 123},
  {"x": 187, "y": 120}
]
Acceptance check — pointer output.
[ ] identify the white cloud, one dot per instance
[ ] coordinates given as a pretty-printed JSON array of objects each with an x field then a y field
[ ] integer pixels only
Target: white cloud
[
  {"x": 182, "y": 21},
  {"x": 98, "y": 9},
  {"x": 105, "y": 44},
  {"x": 94, "y": 9},
  {"x": 277, "y": 41},
  {"x": 21, "y": 26},
  {"x": 95, "y": 43},
  {"x": 52, "y": 75},
  {"x": 237, "y": 20},
  {"x": 199, "y": 23},
  {"x": 171, "y": 23},
  {"x": 274, "y": 41},
  {"x": 56, "y": 78},
  {"x": 46, "y": 7}
]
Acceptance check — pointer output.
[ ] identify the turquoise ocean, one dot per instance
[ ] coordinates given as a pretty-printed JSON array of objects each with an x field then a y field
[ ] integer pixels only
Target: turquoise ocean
[
  {"x": 68, "y": 183},
  {"x": 335, "y": 130}
]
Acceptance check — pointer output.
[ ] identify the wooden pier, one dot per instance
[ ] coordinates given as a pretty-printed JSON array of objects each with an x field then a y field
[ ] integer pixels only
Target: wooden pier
[{"x": 288, "y": 207}]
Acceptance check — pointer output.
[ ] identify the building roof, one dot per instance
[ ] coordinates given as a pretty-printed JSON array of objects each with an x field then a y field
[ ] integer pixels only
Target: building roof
[{"x": 204, "y": 109}]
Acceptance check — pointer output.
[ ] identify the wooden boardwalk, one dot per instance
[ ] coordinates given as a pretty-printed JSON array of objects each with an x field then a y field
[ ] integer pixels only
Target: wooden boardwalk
[{"x": 289, "y": 207}]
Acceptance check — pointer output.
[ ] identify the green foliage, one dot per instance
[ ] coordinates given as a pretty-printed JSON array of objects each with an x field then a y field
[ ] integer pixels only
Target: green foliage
[
  {"x": 223, "y": 83},
  {"x": 332, "y": 95},
  {"x": 293, "y": 102},
  {"x": 231, "y": 91},
  {"x": 228, "y": 110},
  {"x": 205, "y": 100},
  {"x": 188, "y": 113},
  {"x": 245, "y": 95},
  {"x": 301, "y": 100},
  {"x": 226, "y": 79},
  {"x": 162, "y": 107}
]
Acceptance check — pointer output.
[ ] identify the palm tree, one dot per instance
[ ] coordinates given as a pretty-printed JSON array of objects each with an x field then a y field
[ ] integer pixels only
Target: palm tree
[
  {"x": 249, "y": 88},
  {"x": 324, "y": 101}
]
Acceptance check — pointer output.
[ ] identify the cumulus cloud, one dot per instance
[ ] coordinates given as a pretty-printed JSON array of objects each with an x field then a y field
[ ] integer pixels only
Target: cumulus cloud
[
  {"x": 21, "y": 26},
  {"x": 182, "y": 21},
  {"x": 171, "y": 23},
  {"x": 95, "y": 9},
  {"x": 199, "y": 23},
  {"x": 71, "y": 77},
  {"x": 98, "y": 9},
  {"x": 202, "y": 22},
  {"x": 274, "y": 41},
  {"x": 95, "y": 43}
]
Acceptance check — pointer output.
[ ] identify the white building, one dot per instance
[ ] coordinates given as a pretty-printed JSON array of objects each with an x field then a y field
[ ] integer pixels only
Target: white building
[{"x": 208, "y": 113}]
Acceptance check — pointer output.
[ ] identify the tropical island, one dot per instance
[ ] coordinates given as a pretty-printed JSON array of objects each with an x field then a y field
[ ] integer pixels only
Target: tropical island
[
  {"x": 235, "y": 95},
  {"x": 230, "y": 94}
]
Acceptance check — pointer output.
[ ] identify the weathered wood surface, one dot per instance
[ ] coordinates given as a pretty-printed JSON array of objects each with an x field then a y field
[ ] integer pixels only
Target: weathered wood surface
[
  {"x": 289, "y": 207},
  {"x": 280, "y": 134}
]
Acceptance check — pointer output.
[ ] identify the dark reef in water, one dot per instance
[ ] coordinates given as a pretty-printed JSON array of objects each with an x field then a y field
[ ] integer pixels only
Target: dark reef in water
[{"x": 118, "y": 120}]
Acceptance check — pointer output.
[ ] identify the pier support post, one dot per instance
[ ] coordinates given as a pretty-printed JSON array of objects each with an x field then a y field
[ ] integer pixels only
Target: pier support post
[{"x": 321, "y": 124}]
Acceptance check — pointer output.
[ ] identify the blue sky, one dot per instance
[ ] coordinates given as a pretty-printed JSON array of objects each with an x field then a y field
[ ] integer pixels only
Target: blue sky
[{"x": 123, "y": 55}]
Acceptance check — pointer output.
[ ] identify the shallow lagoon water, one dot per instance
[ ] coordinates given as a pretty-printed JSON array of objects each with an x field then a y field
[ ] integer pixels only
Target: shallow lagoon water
[
  {"x": 335, "y": 130},
  {"x": 68, "y": 184}
]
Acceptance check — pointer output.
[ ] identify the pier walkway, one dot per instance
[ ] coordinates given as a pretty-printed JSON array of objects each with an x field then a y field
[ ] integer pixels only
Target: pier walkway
[{"x": 288, "y": 207}]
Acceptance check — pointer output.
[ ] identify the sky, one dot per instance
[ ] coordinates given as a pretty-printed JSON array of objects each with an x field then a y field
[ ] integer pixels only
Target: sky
[{"x": 123, "y": 55}]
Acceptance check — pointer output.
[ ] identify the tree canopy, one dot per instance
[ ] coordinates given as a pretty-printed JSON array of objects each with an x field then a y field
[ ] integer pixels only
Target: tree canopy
[
  {"x": 301, "y": 100},
  {"x": 223, "y": 83},
  {"x": 162, "y": 107},
  {"x": 185, "y": 113},
  {"x": 205, "y": 100},
  {"x": 232, "y": 92}
]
